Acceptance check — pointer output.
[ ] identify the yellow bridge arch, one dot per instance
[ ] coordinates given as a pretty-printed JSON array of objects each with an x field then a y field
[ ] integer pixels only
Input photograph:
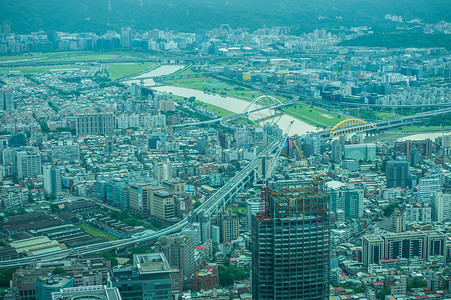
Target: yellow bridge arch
[{"x": 348, "y": 125}]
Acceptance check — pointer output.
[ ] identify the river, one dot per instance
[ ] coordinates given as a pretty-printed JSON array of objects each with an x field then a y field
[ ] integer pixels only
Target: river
[
  {"x": 237, "y": 105},
  {"x": 160, "y": 71}
]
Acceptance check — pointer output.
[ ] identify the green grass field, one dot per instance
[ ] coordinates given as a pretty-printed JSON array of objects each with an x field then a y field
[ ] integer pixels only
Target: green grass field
[
  {"x": 42, "y": 69},
  {"x": 119, "y": 70},
  {"x": 96, "y": 232},
  {"x": 71, "y": 56},
  {"x": 314, "y": 116}
]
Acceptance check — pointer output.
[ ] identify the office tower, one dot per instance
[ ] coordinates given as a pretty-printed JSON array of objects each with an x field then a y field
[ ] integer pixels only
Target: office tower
[
  {"x": 95, "y": 124},
  {"x": 399, "y": 221},
  {"x": 148, "y": 279},
  {"x": 409, "y": 244},
  {"x": 229, "y": 224},
  {"x": 290, "y": 252},
  {"x": 126, "y": 37},
  {"x": 27, "y": 163},
  {"x": 442, "y": 206},
  {"x": 427, "y": 188},
  {"x": 88, "y": 292},
  {"x": 6, "y": 101},
  {"x": 253, "y": 206},
  {"x": 398, "y": 173},
  {"x": 52, "y": 179},
  {"x": 162, "y": 206},
  {"x": 179, "y": 252},
  {"x": 141, "y": 198},
  {"x": 337, "y": 151},
  {"x": 372, "y": 249}
]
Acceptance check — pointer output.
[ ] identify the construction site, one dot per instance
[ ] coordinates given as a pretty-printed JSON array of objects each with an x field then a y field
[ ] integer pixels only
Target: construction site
[{"x": 291, "y": 241}]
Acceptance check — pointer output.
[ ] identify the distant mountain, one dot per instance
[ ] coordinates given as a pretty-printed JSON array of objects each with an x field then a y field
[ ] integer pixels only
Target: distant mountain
[{"x": 25, "y": 16}]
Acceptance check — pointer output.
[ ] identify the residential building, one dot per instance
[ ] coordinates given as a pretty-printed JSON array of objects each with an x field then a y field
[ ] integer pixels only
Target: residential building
[
  {"x": 95, "y": 124},
  {"x": 229, "y": 225},
  {"x": 398, "y": 173},
  {"x": 179, "y": 252},
  {"x": 427, "y": 188},
  {"x": 27, "y": 163},
  {"x": 442, "y": 206}
]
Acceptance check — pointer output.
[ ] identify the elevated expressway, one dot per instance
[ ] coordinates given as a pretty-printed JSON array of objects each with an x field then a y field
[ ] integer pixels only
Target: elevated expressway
[{"x": 221, "y": 197}]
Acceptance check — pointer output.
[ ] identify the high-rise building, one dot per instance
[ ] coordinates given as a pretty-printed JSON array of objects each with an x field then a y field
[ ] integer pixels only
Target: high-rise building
[
  {"x": 149, "y": 278},
  {"x": 398, "y": 173},
  {"x": 399, "y": 221},
  {"x": 179, "y": 252},
  {"x": 163, "y": 205},
  {"x": 427, "y": 188},
  {"x": 337, "y": 151},
  {"x": 95, "y": 124},
  {"x": 27, "y": 163},
  {"x": 349, "y": 199},
  {"x": 229, "y": 225},
  {"x": 148, "y": 200},
  {"x": 372, "y": 249},
  {"x": 163, "y": 170},
  {"x": 6, "y": 101},
  {"x": 442, "y": 206},
  {"x": 141, "y": 197},
  {"x": 52, "y": 179},
  {"x": 290, "y": 252},
  {"x": 126, "y": 37}
]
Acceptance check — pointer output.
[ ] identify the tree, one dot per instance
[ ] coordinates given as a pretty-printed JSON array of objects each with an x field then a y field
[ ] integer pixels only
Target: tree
[
  {"x": 416, "y": 283},
  {"x": 6, "y": 276},
  {"x": 58, "y": 270},
  {"x": 388, "y": 210},
  {"x": 108, "y": 256},
  {"x": 384, "y": 293},
  {"x": 228, "y": 274}
]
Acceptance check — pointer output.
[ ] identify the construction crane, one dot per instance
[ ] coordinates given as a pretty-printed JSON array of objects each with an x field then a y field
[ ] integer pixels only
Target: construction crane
[
  {"x": 263, "y": 181},
  {"x": 315, "y": 178},
  {"x": 260, "y": 180}
]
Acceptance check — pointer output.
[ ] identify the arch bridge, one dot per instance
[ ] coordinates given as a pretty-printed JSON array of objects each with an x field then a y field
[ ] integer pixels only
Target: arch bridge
[{"x": 351, "y": 125}]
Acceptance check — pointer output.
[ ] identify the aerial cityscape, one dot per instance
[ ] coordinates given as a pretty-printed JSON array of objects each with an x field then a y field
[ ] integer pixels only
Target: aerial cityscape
[{"x": 201, "y": 155}]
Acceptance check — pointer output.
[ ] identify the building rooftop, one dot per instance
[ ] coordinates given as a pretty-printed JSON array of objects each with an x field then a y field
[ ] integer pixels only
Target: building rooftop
[{"x": 151, "y": 263}]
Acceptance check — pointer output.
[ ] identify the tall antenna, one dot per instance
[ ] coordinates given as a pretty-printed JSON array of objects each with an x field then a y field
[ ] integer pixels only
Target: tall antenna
[{"x": 109, "y": 5}]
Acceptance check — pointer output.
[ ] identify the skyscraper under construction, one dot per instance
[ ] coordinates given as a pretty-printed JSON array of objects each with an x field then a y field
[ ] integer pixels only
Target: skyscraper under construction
[{"x": 290, "y": 252}]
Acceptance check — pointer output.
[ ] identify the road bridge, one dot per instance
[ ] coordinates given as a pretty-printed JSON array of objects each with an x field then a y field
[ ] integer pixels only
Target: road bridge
[
  {"x": 357, "y": 125},
  {"x": 245, "y": 113}
]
